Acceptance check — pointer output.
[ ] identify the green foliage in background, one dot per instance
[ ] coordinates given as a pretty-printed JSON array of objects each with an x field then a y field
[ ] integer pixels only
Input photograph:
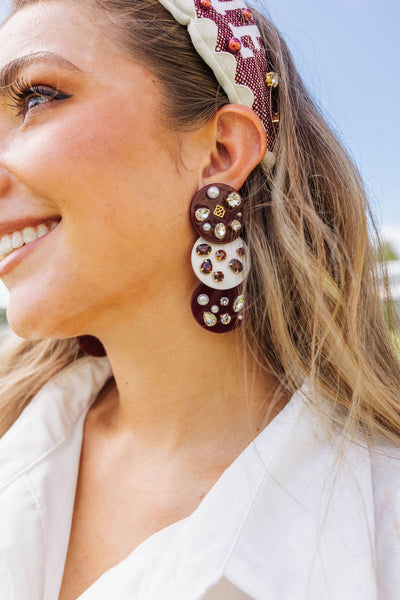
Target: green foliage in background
[{"x": 390, "y": 253}]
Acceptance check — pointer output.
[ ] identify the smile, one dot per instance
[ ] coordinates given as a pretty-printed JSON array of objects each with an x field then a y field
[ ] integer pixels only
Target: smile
[{"x": 17, "y": 239}]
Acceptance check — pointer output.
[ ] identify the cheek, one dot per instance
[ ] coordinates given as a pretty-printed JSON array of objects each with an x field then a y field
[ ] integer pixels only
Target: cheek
[
  {"x": 123, "y": 205},
  {"x": 98, "y": 154},
  {"x": 75, "y": 148}
]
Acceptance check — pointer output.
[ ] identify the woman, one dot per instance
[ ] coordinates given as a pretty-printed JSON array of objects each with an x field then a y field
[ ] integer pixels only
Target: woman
[{"x": 245, "y": 447}]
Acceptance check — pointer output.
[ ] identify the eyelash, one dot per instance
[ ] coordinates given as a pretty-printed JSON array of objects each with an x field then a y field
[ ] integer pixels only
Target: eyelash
[{"x": 20, "y": 92}]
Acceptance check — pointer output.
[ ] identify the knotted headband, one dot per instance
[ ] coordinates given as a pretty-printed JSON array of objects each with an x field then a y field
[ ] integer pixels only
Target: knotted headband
[{"x": 224, "y": 34}]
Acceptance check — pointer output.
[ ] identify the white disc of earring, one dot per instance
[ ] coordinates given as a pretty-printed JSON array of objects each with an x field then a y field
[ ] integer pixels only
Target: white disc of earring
[{"x": 221, "y": 266}]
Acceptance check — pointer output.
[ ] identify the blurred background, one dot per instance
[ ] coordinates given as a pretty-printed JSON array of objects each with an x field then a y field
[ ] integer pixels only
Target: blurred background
[{"x": 347, "y": 52}]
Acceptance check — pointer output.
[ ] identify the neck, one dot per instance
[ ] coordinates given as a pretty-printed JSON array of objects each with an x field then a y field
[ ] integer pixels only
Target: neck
[{"x": 176, "y": 383}]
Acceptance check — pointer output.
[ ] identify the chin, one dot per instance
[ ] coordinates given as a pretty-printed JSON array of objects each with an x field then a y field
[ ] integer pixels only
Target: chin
[
  {"x": 25, "y": 327},
  {"x": 30, "y": 320}
]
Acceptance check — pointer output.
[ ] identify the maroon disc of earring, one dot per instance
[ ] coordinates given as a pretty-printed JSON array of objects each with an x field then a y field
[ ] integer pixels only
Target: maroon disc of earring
[
  {"x": 91, "y": 345},
  {"x": 217, "y": 311},
  {"x": 217, "y": 214}
]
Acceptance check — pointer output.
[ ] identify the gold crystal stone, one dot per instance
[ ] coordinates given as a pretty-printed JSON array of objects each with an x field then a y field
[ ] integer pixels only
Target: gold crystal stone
[
  {"x": 272, "y": 79},
  {"x": 226, "y": 319},
  {"x": 202, "y": 214},
  {"x": 238, "y": 304},
  {"x": 220, "y": 231},
  {"x": 209, "y": 319},
  {"x": 234, "y": 200},
  {"x": 236, "y": 226}
]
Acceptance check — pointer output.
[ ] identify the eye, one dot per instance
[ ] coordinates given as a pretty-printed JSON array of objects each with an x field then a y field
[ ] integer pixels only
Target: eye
[
  {"x": 26, "y": 97},
  {"x": 37, "y": 95},
  {"x": 34, "y": 101}
]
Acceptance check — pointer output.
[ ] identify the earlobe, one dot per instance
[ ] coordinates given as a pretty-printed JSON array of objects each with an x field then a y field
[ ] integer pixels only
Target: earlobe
[{"x": 239, "y": 145}]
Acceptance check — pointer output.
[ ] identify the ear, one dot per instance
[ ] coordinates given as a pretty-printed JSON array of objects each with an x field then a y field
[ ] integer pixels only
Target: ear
[{"x": 238, "y": 145}]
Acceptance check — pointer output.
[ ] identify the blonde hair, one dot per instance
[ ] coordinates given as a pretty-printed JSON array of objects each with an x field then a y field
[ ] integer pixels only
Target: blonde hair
[{"x": 314, "y": 307}]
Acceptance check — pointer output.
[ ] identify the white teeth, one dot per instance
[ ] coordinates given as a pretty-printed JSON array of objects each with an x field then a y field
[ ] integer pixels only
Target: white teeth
[
  {"x": 5, "y": 245},
  {"x": 42, "y": 230},
  {"x": 16, "y": 240},
  {"x": 29, "y": 235}
]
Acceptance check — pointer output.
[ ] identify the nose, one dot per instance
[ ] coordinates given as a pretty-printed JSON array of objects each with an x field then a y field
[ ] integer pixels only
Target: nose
[{"x": 5, "y": 182}]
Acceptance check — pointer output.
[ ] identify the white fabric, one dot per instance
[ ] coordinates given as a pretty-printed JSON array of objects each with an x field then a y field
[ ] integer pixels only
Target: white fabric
[{"x": 283, "y": 522}]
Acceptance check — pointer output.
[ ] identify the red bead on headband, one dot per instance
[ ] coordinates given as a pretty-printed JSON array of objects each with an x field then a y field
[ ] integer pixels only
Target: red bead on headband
[{"x": 224, "y": 34}]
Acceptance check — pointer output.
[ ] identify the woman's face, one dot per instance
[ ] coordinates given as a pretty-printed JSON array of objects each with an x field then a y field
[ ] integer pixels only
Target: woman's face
[{"x": 81, "y": 144}]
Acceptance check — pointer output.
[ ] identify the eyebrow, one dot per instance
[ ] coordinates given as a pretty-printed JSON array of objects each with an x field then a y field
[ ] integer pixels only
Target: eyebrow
[{"x": 10, "y": 72}]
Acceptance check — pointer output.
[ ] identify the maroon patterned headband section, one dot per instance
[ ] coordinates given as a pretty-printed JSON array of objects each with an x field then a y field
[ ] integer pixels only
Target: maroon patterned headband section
[
  {"x": 239, "y": 35},
  {"x": 225, "y": 35}
]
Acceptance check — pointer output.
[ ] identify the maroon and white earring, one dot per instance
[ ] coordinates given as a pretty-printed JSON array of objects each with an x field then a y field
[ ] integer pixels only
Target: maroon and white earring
[{"x": 220, "y": 258}]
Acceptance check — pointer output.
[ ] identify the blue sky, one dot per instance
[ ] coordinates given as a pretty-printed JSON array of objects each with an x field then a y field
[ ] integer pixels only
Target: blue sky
[{"x": 348, "y": 53}]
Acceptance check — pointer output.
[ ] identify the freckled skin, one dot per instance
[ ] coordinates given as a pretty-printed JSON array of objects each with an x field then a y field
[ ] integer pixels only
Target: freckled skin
[{"x": 100, "y": 159}]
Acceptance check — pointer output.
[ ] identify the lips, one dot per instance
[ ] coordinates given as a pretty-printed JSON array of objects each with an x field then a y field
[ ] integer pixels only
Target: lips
[{"x": 23, "y": 236}]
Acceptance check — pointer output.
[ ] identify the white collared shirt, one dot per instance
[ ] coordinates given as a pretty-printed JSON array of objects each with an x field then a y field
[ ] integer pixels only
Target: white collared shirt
[{"x": 286, "y": 521}]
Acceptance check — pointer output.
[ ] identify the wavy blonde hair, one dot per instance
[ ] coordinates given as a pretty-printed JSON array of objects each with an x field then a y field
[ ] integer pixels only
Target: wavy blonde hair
[{"x": 314, "y": 303}]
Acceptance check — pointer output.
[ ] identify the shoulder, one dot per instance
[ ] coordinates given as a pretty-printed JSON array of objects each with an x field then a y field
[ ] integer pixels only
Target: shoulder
[{"x": 323, "y": 504}]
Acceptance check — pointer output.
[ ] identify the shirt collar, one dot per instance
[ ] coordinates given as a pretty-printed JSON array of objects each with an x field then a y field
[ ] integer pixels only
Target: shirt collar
[
  {"x": 51, "y": 415},
  {"x": 39, "y": 462},
  {"x": 285, "y": 520},
  {"x": 286, "y": 505}
]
